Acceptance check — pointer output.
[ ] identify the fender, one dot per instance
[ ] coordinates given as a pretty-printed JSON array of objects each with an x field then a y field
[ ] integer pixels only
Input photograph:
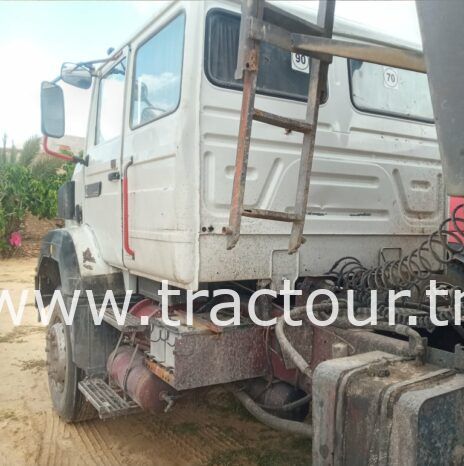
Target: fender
[
  {"x": 80, "y": 264},
  {"x": 70, "y": 258}
]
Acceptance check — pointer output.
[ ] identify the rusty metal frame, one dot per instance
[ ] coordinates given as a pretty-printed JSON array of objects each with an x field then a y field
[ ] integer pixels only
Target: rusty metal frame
[
  {"x": 317, "y": 80},
  {"x": 247, "y": 67},
  {"x": 324, "y": 48},
  {"x": 398, "y": 57},
  {"x": 260, "y": 23}
]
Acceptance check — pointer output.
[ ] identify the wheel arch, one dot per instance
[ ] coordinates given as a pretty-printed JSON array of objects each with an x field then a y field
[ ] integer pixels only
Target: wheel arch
[{"x": 70, "y": 258}]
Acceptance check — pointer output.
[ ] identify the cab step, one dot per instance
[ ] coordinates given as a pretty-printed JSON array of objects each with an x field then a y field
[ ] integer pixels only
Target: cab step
[{"x": 105, "y": 400}]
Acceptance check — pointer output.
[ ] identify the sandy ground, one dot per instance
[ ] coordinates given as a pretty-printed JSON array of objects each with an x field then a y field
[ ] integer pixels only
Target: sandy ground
[{"x": 210, "y": 429}]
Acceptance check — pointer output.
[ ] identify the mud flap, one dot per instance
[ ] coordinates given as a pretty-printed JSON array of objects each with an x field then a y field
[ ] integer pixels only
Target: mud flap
[{"x": 91, "y": 344}]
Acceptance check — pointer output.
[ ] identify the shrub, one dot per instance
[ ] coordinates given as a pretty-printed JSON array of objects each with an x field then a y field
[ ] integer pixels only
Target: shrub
[
  {"x": 14, "y": 194},
  {"x": 23, "y": 189}
]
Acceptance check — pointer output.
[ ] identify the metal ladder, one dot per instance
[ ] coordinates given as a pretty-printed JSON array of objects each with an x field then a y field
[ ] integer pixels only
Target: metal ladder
[{"x": 262, "y": 22}]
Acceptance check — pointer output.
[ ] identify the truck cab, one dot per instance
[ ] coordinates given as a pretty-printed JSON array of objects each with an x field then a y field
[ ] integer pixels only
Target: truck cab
[{"x": 165, "y": 113}]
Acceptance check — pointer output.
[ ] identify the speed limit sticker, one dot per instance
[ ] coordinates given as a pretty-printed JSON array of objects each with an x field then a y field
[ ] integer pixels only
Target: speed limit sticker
[
  {"x": 390, "y": 77},
  {"x": 300, "y": 63}
]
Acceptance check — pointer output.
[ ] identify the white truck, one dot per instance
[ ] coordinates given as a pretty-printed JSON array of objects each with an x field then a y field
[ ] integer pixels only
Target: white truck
[{"x": 150, "y": 201}]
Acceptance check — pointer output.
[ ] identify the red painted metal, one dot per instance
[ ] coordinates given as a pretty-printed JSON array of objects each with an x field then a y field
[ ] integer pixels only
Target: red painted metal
[
  {"x": 48, "y": 151},
  {"x": 145, "y": 307},
  {"x": 144, "y": 387},
  {"x": 453, "y": 203},
  {"x": 125, "y": 211},
  {"x": 279, "y": 371}
]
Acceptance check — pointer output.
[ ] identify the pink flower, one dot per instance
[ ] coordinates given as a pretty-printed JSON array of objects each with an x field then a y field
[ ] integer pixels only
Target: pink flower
[{"x": 15, "y": 239}]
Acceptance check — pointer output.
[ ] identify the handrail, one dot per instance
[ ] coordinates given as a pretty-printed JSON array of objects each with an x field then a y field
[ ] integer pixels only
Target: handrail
[{"x": 125, "y": 209}]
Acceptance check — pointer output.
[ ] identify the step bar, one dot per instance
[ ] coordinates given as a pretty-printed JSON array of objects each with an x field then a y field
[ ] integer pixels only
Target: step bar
[{"x": 106, "y": 400}]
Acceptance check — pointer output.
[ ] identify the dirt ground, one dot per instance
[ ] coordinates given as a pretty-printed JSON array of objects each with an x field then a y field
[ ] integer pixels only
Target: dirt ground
[{"x": 210, "y": 429}]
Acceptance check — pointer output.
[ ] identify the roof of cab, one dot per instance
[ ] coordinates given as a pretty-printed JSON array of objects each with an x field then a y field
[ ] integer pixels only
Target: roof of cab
[{"x": 342, "y": 27}]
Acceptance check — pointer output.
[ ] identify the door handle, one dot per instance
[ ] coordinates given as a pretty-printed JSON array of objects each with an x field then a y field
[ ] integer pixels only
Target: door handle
[
  {"x": 125, "y": 210},
  {"x": 114, "y": 176}
]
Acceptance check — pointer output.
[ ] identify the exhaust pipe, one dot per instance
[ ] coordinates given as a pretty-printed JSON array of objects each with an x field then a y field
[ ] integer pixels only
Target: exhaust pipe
[{"x": 129, "y": 372}]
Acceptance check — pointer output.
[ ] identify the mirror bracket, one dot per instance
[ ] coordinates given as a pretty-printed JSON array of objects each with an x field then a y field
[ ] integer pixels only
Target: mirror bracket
[{"x": 68, "y": 158}]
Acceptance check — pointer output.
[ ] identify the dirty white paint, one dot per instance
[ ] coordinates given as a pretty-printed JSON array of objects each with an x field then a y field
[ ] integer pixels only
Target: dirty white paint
[{"x": 376, "y": 180}]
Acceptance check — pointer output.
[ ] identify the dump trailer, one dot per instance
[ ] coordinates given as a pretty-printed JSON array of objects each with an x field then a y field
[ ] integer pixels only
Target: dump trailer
[{"x": 250, "y": 169}]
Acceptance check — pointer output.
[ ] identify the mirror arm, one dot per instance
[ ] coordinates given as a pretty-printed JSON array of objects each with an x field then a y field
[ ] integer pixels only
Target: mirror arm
[
  {"x": 68, "y": 158},
  {"x": 90, "y": 63}
]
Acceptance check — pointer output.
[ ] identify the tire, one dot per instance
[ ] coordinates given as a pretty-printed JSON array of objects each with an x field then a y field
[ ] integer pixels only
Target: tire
[{"x": 63, "y": 374}]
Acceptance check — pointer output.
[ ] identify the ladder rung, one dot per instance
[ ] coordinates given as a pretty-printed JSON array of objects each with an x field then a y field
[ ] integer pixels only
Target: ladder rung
[
  {"x": 283, "y": 122},
  {"x": 271, "y": 215}
]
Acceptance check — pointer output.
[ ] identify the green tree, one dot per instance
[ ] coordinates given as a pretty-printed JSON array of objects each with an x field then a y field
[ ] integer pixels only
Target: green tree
[
  {"x": 30, "y": 150},
  {"x": 13, "y": 153},
  {"x": 3, "y": 153}
]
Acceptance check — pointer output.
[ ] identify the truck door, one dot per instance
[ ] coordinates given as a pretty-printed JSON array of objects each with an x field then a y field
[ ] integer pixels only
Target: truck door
[
  {"x": 159, "y": 229},
  {"x": 103, "y": 194}
]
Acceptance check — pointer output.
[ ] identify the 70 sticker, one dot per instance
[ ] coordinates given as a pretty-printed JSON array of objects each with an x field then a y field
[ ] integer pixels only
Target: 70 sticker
[{"x": 390, "y": 77}]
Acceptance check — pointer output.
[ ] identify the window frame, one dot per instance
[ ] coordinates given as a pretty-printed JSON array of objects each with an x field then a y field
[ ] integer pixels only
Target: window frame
[
  {"x": 97, "y": 117},
  {"x": 134, "y": 64},
  {"x": 369, "y": 111},
  {"x": 239, "y": 87}
]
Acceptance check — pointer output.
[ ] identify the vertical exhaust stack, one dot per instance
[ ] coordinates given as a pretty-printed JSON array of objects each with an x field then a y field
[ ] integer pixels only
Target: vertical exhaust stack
[{"x": 129, "y": 372}]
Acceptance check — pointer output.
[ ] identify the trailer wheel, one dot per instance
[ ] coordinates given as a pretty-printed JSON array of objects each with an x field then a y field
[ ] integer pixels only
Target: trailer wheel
[{"x": 63, "y": 374}]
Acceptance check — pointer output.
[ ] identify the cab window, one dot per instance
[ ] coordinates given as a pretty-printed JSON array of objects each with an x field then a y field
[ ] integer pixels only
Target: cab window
[
  {"x": 157, "y": 74},
  {"x": 390, "y": 91},
  {"x": 281, "y": 73},
  {"x": 111, "y": 103}
]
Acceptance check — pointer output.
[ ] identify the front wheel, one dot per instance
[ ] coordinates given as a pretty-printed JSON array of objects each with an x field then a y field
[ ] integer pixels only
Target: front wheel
[{"x": 63, "y": 374}]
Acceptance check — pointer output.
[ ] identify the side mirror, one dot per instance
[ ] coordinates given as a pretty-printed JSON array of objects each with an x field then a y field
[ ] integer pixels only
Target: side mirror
[
  {"x": 52, "y": 110},
  {"x": 76, "y": 75}
]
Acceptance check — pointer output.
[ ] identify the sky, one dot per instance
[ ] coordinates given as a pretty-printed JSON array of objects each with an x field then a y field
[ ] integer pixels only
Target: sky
[{"x": 36, "y": 37}]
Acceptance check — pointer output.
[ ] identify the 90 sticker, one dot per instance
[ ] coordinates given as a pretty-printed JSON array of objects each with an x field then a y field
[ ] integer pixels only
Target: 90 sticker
[{"x": 300, "y": 63}]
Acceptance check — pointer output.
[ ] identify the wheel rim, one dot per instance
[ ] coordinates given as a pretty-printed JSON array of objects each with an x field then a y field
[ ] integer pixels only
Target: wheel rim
[{"x": 56, "y": 356}]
